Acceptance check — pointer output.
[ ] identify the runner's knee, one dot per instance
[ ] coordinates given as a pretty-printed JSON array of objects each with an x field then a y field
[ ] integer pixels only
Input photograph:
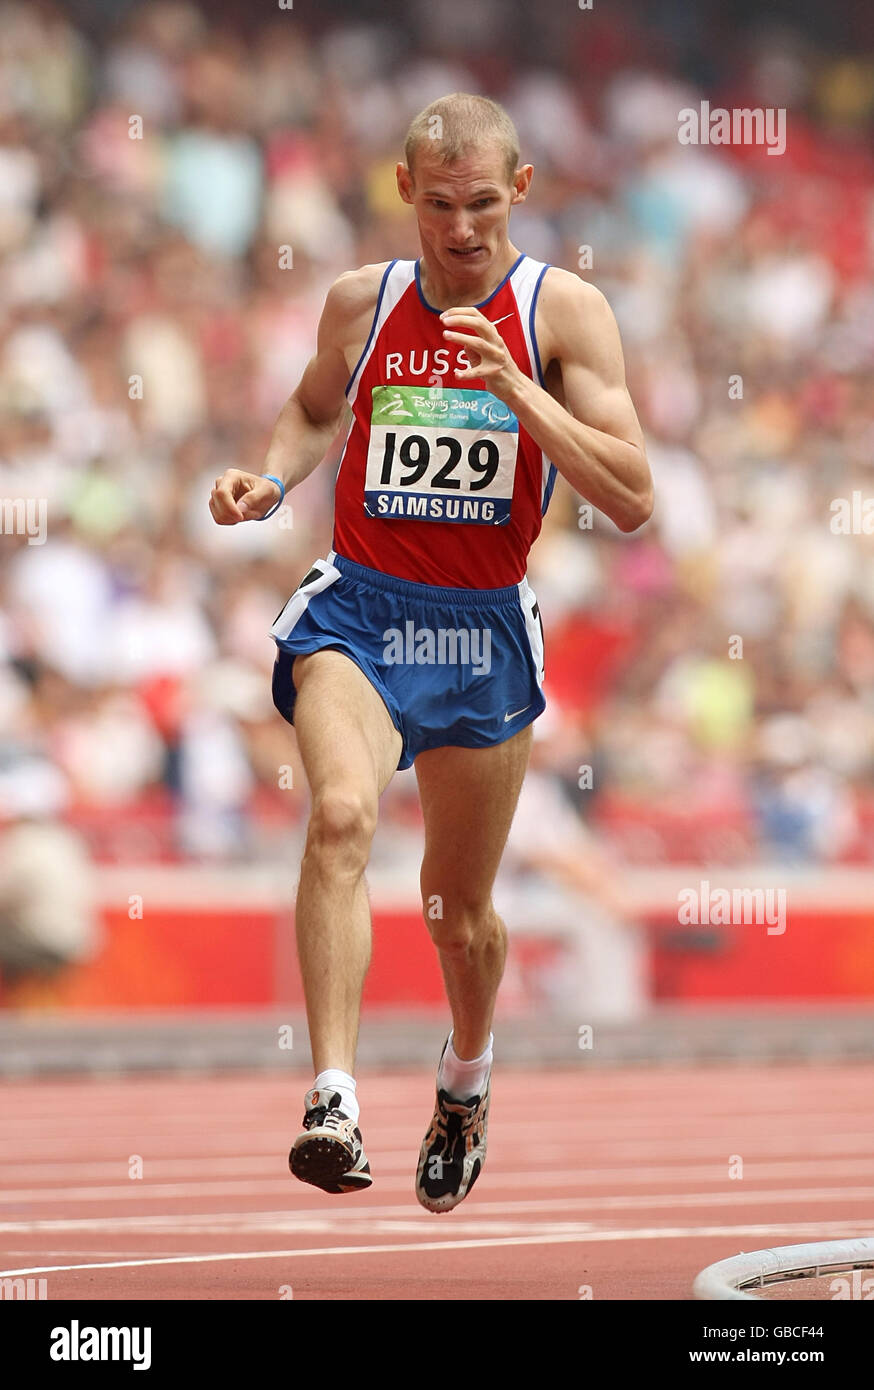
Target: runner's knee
[
  {"x": 341, "y": 827},
  {"x": 459, "y": 920}
]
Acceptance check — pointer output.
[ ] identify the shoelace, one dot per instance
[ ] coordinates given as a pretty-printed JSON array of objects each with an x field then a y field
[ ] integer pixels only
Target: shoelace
[
  {"x": 452, "y": 1126},
  {"x": 323, "y": 1118},
  {"x": 334, "y": 1119}
]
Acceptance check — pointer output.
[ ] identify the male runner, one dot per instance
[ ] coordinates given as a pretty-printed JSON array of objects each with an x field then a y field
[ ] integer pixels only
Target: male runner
[{"x": 473, "y": 374}]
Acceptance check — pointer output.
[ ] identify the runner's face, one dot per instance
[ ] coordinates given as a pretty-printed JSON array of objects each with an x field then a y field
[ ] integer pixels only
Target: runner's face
[{"x": 463, "y": 210}]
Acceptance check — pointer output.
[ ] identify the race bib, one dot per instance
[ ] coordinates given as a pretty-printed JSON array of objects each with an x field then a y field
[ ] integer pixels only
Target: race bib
[{"x": 438, "y": 454}]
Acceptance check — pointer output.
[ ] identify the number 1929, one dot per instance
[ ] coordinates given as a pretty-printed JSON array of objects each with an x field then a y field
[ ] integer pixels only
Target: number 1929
[{"x": 414, "y": 453}]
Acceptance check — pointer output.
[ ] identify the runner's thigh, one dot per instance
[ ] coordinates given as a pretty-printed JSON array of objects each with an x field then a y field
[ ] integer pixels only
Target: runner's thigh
[{"x": 344, "y": 732}]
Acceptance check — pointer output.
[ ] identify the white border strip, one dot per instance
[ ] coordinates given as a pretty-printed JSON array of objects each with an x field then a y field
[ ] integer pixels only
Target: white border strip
[
  {"x": 650, "y": 890},
  {"x": 727, "y": 1279}
]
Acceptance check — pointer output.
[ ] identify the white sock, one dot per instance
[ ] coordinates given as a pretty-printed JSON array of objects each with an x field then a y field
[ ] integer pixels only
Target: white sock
[
  {"x": 333, "y": 1079},
  {"x": 463, "y": 1079}
]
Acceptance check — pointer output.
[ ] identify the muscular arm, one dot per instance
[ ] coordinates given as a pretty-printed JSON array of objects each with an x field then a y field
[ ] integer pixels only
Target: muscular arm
[
  {"x": 312, "y": 414},
  {"x": 594, "y": 438}
]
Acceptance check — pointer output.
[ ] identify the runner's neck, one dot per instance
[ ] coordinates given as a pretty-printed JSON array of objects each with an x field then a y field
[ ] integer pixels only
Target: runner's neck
[{"x": 441, "y": 292}]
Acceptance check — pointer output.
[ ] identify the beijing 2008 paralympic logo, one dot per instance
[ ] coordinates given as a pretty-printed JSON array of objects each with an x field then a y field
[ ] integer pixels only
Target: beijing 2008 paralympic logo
[{"x": 492, "y": 411}]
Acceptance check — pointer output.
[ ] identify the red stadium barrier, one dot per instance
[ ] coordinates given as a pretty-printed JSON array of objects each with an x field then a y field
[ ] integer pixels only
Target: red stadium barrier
[{"x": 213, "y": 938}]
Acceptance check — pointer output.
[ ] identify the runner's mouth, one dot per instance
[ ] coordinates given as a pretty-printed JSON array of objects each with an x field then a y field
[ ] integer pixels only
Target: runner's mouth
[{"x": 467, "y": 251}]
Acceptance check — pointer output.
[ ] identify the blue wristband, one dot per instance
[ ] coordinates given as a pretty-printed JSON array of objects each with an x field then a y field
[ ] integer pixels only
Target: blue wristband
[{"x": 279, "y": 483}]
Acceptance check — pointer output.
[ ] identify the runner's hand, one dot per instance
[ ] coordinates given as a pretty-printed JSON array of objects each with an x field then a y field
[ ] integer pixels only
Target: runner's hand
[
  {"x": 491, "y": 359},
  {"x": 239, "y": 496}
]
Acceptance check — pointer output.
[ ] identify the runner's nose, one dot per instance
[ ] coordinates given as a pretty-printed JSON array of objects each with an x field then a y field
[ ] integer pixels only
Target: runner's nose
[{"x": 461, "y": 232}]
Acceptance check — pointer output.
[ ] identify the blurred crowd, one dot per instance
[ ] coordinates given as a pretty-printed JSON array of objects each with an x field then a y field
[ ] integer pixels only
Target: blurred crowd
[{"x": 179, "y": 185}]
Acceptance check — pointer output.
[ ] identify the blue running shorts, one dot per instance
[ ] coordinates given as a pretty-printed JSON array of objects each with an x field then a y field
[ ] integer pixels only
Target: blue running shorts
[{"x": 460, "y": 667}]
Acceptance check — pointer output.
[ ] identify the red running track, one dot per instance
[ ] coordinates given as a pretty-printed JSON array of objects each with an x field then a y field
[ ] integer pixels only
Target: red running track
[{"x": 617, "y": 1183}]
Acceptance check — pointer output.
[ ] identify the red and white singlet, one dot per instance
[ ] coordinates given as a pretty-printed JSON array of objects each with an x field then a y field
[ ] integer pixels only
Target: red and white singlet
[{"x": 439, "y": 483}]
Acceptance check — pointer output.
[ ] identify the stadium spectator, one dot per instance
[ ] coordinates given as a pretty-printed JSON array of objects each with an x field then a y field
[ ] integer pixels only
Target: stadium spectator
[{"x": 179, "y": 185}]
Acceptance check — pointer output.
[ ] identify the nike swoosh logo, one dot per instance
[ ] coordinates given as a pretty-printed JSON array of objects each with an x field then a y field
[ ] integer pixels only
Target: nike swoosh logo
[
  {"x": 506, "y": 316},
  {"x": 517, "y": 711}
]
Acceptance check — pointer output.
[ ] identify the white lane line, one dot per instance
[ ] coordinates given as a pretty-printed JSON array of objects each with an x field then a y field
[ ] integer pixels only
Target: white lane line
[
  {"x": 835, "y": 1229},
  {"x": 245, "y": 1166},
  {"x": 107, "y": 1254},
  {"x": 384, "y": 1084},
  {"x": 618, "y": 1128},
  {"x": 198, "y": 1154},
  {"x": 250, "y": 1163},
  {"x": 784, "y": 1145},
  {"x": 141, "y": 1189},
  {"x": 174, "y": 1145},
  {"x": 630, "y": 1108},
  {"x": 633, "y": 1115},
  {"x": 198, "y": 1223}
]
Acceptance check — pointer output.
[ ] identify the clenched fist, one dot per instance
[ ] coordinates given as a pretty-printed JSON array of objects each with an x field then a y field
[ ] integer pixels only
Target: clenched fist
[{"x": 241, "y": 496}]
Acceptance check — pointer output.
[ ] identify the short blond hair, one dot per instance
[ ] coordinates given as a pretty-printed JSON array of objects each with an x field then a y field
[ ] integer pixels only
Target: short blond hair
[{"x": 458, "y": 124}]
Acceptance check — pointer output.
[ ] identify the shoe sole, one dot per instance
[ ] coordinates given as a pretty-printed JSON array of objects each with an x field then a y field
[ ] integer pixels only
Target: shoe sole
[
  {"x": 352, "y": 1182},
  {"x": 327, "y": 1163},
  {"x": 449, "y": 1200},
  {"x": 432, "y": 1205}
]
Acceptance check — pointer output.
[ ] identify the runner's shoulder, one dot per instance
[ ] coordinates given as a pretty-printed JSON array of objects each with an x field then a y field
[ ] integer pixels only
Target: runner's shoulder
[
  {"x": 355, "y": 291},
  {"x": 563, "y": 289},
  {"x": 570, "y": 310}
]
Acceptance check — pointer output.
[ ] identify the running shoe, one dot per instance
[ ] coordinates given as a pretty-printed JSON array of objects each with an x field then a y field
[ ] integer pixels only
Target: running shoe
[
  {"x": 454, "y": 1149},
  {"x": 329, "y": 1152}
]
